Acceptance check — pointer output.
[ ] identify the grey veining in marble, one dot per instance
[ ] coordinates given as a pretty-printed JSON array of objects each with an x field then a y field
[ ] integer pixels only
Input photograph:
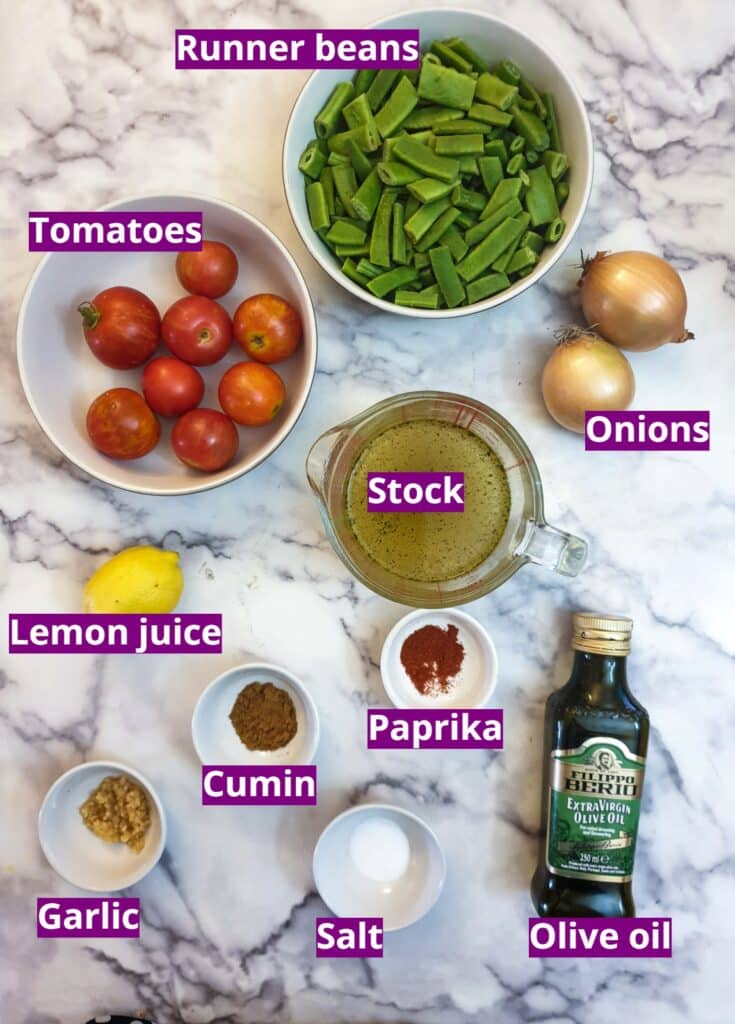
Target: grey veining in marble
[{"x": 92, "y": 110}]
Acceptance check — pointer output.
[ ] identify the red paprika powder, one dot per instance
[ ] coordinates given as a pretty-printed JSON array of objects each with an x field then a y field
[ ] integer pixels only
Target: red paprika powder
[{"x": 431, "y": 657}]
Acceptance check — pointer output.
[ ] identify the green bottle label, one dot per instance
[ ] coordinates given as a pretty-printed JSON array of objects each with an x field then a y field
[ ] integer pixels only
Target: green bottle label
[{"x": 594, "y": 806}]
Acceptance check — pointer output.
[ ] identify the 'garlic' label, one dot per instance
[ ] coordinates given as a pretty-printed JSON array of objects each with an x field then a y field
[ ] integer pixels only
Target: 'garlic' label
[{"x": 88, "y": 917}]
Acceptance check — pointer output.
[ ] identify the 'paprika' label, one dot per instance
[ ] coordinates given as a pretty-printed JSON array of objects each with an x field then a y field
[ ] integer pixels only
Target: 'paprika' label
[{"x": 594, "y": 805}]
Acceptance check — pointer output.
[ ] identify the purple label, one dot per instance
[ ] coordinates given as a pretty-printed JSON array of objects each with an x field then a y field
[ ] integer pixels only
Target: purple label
[
  {"x": 415, "y": 492},
  {"x": 591, "y": 937},
  {"x": 297, "y": 48},
  {"x": 434, "y": 729},
  {"x": 270, "y": 784},
  {"x": 646, "y": 431},
  {"x": 115, "y": 634},
  {"x": 114, "y": 231},
  {"x": 88, "y": 917},
  {"x": 349, "y": 936}
]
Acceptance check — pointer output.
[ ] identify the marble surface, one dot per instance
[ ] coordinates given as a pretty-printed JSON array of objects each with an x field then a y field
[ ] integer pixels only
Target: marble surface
[{"x": 91, "y": 111}]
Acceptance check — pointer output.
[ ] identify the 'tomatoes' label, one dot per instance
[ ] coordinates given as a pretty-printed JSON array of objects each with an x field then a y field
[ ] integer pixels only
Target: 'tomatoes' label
[{"x": 114, "y": 231}]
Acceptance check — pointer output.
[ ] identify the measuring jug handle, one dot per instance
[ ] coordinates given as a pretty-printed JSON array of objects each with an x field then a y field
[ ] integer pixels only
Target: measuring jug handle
[
  {"x": 562, "y": 552},
  {"x": 317, "y": 459}
]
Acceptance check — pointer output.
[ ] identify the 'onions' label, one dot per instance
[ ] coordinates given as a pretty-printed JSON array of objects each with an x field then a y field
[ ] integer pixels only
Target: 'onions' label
[
  {"x": 115, "y": 634},
  {"x": 415, "y": 492},
  {"x": 646, "y": 431},
  {"x": 88, "y": 917},
  {"x": 349, "y": 936},
  {"x": 115, "y": 231},
  {"x": 435, "y": 728},
  {"x": 590, "y": 937}
]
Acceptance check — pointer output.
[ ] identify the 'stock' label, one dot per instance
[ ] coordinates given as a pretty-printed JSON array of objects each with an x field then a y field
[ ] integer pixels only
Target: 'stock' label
[
  {"x": 88, "y": 917},
  {"x": 415, "y": 492},
  {"x": 349, "y": 936},
  {"x": 585, "y": 937},
  {"x": 114, "y": 231}
]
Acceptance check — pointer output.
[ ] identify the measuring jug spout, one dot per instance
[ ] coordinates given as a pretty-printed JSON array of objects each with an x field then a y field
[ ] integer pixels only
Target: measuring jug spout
[
  {"x": 562, "y": 552},
  {"x": 318, "y": 459}
]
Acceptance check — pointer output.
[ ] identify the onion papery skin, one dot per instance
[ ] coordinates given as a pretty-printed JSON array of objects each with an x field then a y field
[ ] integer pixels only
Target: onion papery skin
[
  {"x": 585, "y": 372},
  {"x": 636, "y": 300}
]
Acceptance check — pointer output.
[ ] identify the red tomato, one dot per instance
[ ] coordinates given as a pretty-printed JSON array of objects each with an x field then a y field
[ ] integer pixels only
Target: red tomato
[
  {"x": 267, "y": 327},
  {"x": 197, "y": 330},
  {"x": 251, "y": 394},
  {"x": 205, "y": 439},
  {"x": 122, "y": 327},
  {"x": 172, "y": 387},
  {"x": 121, "y": 425},
  {"x": 211, "y": 272}
]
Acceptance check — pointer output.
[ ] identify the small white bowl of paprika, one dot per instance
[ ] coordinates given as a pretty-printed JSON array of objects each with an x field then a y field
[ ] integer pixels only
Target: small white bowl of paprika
[{"x": 439, "y": 658}]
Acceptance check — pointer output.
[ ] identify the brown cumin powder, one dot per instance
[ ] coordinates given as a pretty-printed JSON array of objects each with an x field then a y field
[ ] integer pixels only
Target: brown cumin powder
[{"x": 264, "y": 717}]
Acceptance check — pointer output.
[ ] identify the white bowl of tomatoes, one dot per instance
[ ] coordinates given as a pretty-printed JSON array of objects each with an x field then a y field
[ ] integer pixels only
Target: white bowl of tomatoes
[{"x": 170, "y": 374}]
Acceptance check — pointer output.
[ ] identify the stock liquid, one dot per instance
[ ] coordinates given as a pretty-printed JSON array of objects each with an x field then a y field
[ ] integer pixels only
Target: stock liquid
[{"x": 430, "y": 547}]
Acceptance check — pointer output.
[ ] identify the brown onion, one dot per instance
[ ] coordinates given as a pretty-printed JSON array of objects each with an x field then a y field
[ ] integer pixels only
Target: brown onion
[
  {"x": 636, "y": 300},
  {"x": 585, "y": 372}
]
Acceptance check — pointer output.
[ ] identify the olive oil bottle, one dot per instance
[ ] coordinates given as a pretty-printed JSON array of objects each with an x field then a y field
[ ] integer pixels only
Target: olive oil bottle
[{"x": 595, "y": 744}]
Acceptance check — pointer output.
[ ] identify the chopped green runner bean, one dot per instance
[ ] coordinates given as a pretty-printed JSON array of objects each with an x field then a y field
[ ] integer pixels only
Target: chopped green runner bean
[
  {"x": 484, "y": 287},
  {"x": 363, "y": 79},
  {"x": 494, "y": 91},
  {"x": 552, "y": 122},
  {"x": 317, "y": 206},
  {"x": 459, "y": 145},
  {"x": 427, "y": 298},
  {"x": 426, "y": 190},
  {"x": 450, "y": 57},
  {"x": 508, "y": 188},
  {"x": 345, "y": 183},
  {"x": 398, "y": 250},
  {"x": 475, "y": 233},
  {"x": 496, "y": 147},
  {"x": 380, "y": 86},
  {"x": 396, "y": 108},
  {"x": 555, "y": 230},
  {"x": 425, "y": 160},
  {"x": 490, "y": 115},
  {"x": 555, "y": 163},
  {"x": 313, "y": 159},
  {"x": 540, "y": 198},
  {"x": 532, "y": 240},
  {"x": 365, "y": 199},
  {"x": 491, "y": 172},
  {"x": 465, "y": 126},
  {"x": 419, "y": 223},
  {"x": 326, "y": 179},
  {"x": 562, "y": 192},
  {"x": 454, "y": 241},
  {"x": 380, "y": 238},
  {"x": 437, "y": 229},
  {"x": 531, "y": 128},
  {"x": 508, "y": 72},
  {"x": 500, "y": 265},
  {"x": 446, "y": 276},
  {"x": 443, "y": 85},
  {"x": 516, "y": 164},
  {"x": 430, "y": 117},
  {"x": 368, "y": 269},
  {"x": 489, "y": 249},
  {"x": 326, "y": 121},
  {"x": 345, "y": 232},
  {"x": 468, "y": 199},
  {"x": 523, "y": 258},
  {"x": 350, "y": 270},
  {"x": 359, "y": 160},
  {"x": 381, "y": 285},
  {"x": 393, "y": 172},
  {"x": 465, "y": 50}
]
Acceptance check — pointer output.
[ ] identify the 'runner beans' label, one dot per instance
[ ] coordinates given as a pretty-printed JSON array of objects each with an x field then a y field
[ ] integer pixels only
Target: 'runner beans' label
[
  {"x": 590, "y": 937},
  {"x": 436, "y": 728},
  {"x": 115, "y": 634},
  {"x": 205, "y": 48},
  {"x": 88, "y": 917},
  {"x": 415, "y": 492},
  {"x": 349, "y": 936},
  {"x": 114, "y": 231},
  {"x": 259, "y": 784}
]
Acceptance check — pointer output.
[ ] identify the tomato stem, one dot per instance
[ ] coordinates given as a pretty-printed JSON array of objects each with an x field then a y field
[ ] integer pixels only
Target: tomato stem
[{"x": 90, "y": 315}]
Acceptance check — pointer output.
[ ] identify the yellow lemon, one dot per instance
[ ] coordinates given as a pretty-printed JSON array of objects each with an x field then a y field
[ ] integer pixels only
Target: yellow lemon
[{"x": 142, "y": 580}]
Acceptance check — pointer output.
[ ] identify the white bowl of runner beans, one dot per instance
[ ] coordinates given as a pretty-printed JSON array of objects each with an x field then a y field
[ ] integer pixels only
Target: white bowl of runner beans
[{"x": 447, "y": 189}]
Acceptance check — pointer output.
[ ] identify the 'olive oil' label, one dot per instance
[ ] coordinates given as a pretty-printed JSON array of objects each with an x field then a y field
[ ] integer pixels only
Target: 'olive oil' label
[{"x": 594, "y": 805}]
